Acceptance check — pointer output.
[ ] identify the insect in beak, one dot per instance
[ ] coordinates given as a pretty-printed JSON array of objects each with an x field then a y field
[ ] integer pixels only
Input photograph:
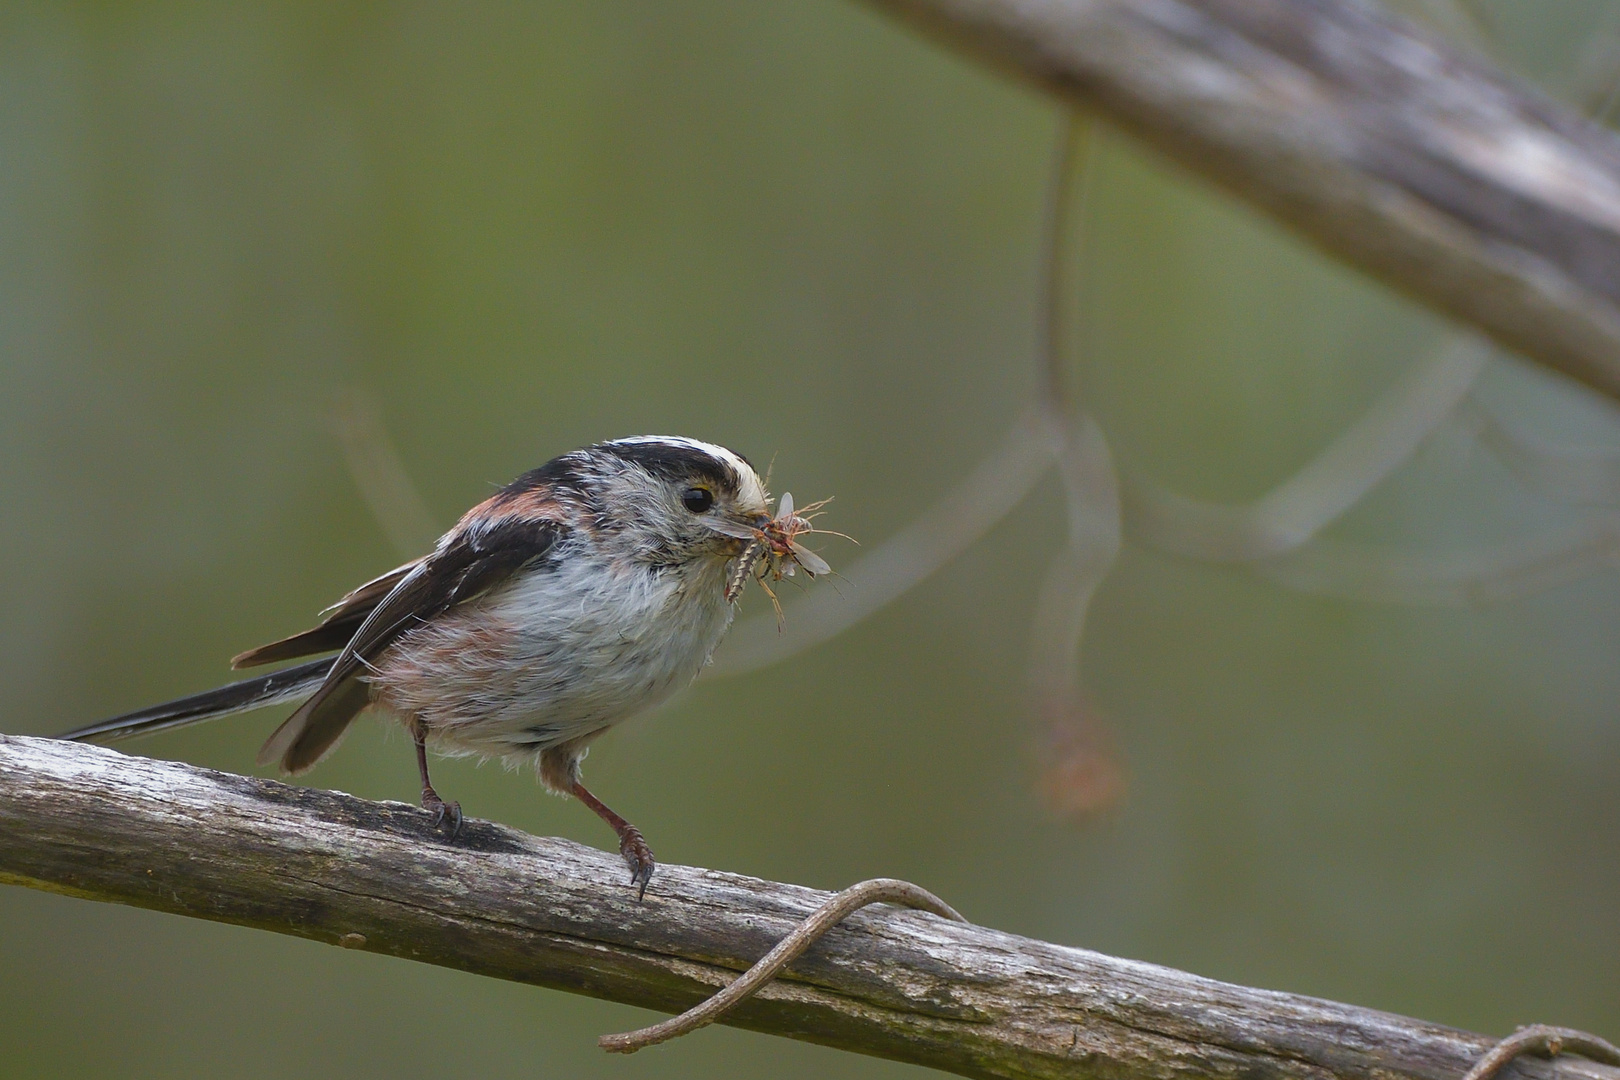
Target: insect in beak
[{"x": 773, "y": 549}]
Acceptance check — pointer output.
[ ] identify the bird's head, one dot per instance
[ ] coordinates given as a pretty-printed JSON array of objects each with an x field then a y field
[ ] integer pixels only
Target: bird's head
[{"x": 669, "y": 500}]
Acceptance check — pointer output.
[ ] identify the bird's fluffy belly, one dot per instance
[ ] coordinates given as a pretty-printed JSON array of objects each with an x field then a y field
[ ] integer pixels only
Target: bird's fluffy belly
[{"x": 559, "y": 653}]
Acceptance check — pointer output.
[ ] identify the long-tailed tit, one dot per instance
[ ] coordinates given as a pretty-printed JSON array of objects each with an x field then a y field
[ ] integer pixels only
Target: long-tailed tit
[{"x": 577, "y": 596}]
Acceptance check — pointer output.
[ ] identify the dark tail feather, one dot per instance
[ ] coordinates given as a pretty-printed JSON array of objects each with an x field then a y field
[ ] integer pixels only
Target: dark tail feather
[
  {"x": 288, "y": 684},
  {"x": 310, "y": 733}
]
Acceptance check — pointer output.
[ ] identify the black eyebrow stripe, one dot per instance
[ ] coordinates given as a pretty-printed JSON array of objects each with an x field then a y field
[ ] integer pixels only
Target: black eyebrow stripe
[{"x": 675, "y": 461}]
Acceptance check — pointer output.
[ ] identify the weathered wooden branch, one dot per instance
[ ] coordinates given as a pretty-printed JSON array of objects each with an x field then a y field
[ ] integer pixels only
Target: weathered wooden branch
[
  {"x": 1390, "y": 149},
  {"x": 90, "y": 822}
]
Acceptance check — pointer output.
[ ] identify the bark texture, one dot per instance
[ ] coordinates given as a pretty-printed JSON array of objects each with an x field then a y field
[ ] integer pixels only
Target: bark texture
[
  {"x": 1389, "y": 148},
  {"x": 91, "y": 822}
]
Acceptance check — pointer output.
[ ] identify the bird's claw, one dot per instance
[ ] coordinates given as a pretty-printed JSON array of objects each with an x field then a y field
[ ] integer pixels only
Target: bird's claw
[
  {"x": 639, "y": 857},
  {"x": 443, "y": 812}
]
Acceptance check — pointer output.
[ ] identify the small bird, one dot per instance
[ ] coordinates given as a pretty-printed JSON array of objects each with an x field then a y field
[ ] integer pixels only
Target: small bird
[{"x": 582, "y": 593}]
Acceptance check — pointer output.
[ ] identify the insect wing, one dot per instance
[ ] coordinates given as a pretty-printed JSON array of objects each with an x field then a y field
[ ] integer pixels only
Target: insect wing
[
  {"x": 730, "y": 528},
  {"x": 813, "y": 564}
]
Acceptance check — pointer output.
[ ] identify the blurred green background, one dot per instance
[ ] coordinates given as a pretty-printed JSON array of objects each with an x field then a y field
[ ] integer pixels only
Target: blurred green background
[{"x": 796, "y": 229}]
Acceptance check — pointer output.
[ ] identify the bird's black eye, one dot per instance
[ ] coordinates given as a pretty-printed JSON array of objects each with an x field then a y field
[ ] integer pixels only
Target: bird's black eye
[{"x": 697, "y": 499}]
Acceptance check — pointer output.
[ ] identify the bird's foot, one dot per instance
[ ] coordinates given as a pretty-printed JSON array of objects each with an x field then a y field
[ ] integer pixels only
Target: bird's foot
[
  {"x": 444, "y": 813},
  {"x": 638, "y": 857}
]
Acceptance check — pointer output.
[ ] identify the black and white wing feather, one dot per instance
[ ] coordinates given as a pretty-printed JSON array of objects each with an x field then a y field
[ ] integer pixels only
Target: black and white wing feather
[{"x": 337, "y": 626}]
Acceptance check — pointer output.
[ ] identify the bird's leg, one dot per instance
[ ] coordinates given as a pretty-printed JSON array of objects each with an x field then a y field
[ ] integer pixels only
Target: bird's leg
[
  {"x": 637, "y": 855},
  {"x": 442, "y": 811}
]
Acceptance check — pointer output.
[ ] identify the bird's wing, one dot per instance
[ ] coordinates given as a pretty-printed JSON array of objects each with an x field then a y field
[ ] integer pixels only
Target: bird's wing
[
  {"x": 337, "y": 626},
  {"x": 474, "y": 558}
]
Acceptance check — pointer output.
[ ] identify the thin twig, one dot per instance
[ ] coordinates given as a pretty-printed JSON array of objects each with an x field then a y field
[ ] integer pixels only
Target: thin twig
[
  {"x": 1576, "y": 475},
  {"x": 1325, "y": 488},
  {"x": 1551, "y": 1041},
  {"x": 837, "y": 908},
  {"x": 1073, "y": 157},
  {"x": 1080, "y": 770}
]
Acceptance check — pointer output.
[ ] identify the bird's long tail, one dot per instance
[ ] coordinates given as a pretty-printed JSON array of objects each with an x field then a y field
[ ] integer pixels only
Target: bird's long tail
[{"x": 288, "y": 684}]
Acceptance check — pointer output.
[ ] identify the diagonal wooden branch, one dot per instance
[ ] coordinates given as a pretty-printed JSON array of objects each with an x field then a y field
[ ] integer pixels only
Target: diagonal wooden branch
[
  {"x": 90, "y": 822},
  {"x": 1391, "y": 149}
]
